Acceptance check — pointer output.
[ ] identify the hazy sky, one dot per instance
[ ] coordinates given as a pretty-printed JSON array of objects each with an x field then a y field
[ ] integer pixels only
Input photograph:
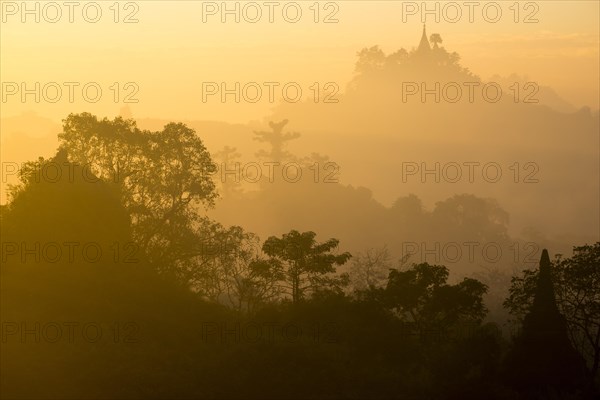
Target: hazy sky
[{"x": 170, "y": 51}]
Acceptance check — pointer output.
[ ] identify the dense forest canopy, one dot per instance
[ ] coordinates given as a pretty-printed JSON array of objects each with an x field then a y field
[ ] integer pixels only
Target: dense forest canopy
[{"x": 145, "y": 263}]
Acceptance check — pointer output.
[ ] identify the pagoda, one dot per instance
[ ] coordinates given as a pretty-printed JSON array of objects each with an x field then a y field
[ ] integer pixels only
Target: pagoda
[{"x": 542, "y": 358}]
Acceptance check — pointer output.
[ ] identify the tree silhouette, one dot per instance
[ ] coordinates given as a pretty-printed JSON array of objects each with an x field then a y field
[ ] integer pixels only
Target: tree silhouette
[
  {"x": 305, "y": 264},
  {"x": 421, "y": 295},
  {"x": 59, "y": 202},
  {"x": 277, "y": 140},
  {"x": 230, "y": 270},
  {"x": 370, "y": 60},
  {"x": 435, "y": 38},
  {"x": 229, "y": 157},
  {"x": 370, "y": 269},
  {"x": 163, "y": 178}
]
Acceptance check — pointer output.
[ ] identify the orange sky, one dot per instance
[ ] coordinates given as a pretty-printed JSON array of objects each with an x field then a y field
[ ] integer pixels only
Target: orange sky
[{"x": 170, "y": 51}]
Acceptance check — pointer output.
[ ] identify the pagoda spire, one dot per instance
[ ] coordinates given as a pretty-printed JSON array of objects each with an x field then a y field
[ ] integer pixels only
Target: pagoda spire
[
  {"x": 542, "y": 355},
  {"x": 545, "y": 300},
  {"x": 424, "y": 46}
]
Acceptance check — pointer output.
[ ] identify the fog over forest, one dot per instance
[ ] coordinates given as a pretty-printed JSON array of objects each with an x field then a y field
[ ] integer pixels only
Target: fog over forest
[{"x": 353, "y": 200}]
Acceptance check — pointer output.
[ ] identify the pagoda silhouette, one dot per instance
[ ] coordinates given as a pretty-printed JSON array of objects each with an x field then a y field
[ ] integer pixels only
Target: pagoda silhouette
[
  {"x": 424, "y": 48},
  {"x": 543, "y": 359}
]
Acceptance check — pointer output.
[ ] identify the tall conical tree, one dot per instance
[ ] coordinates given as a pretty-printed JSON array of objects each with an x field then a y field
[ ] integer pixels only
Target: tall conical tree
[{"x": 542, "y": 358}]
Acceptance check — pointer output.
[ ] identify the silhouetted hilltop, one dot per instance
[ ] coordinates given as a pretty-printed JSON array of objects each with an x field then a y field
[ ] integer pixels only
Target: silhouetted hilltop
[
  {"x": 408, "y": 87},
  {"x": 66, "y": 202}
]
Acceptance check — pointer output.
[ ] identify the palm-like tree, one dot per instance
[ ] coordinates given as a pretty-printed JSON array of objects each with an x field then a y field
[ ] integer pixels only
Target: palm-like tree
[{"x": 435, "y": 38}]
